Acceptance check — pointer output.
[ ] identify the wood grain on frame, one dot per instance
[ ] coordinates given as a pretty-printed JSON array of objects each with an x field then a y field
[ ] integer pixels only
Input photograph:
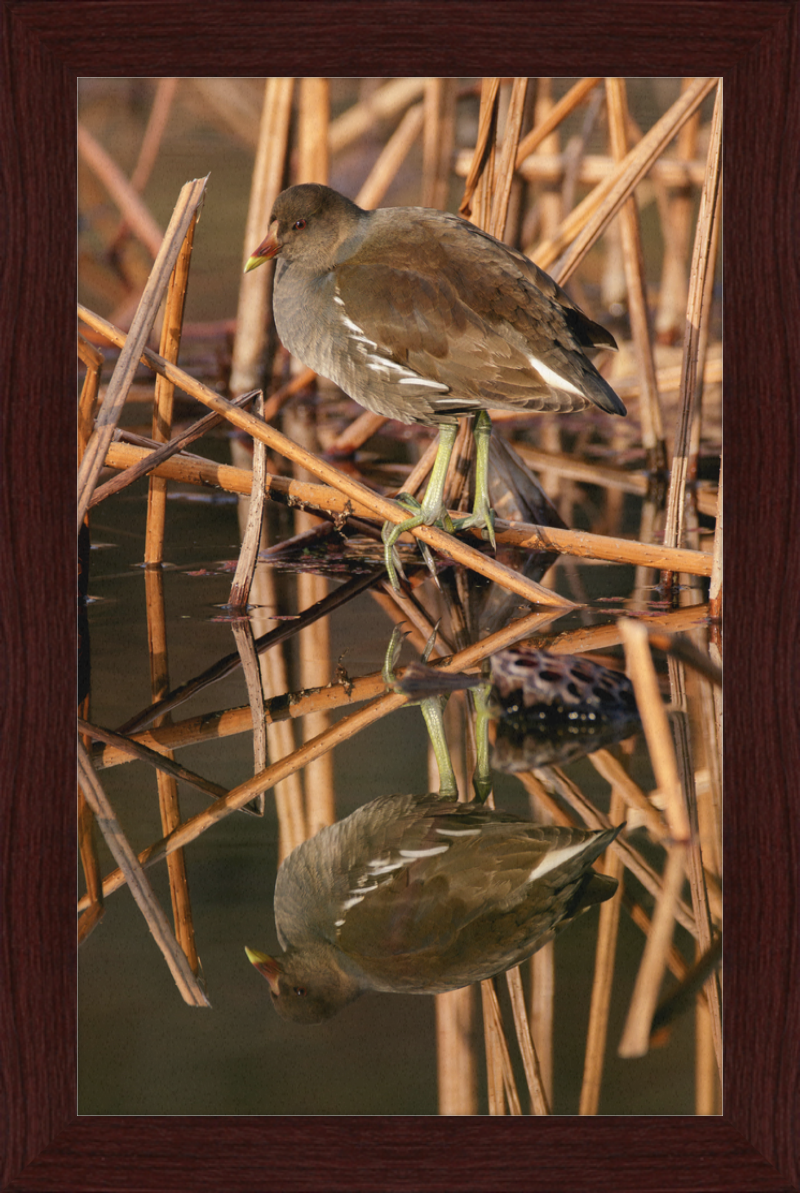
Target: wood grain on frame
[{"x": 46, "y": 47}]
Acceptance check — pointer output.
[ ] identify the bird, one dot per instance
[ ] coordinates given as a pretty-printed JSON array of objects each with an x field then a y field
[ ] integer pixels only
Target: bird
[
  {"x": 423, "y": 317},
  {"x": 420, "y": 894}
]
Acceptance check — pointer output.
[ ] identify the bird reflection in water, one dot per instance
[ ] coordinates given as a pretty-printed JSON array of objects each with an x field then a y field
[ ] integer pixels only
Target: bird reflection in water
[
  {"x": 423, "y": 894},
  {"x": 419, "y": 895}
]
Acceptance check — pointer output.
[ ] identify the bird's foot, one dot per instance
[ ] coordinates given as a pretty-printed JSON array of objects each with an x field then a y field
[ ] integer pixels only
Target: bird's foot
[
  {"x": 420, "y": 516},
  {"x": 481, "y": 517}
]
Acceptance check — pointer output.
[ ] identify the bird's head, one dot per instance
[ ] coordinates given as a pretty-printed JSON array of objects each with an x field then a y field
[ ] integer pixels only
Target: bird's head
[
  {"x": 308, "y": 223},
  {"x": 305, "y": 989}
]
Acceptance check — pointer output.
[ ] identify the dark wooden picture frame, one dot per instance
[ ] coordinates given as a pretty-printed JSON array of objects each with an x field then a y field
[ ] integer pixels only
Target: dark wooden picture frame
[{"x": 47, "y": 45}]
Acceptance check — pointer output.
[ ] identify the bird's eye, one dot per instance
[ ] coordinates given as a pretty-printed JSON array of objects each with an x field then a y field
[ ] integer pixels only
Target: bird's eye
[
  {"x": 299, "y": 990},
  {"x": 298, "y": 226}
]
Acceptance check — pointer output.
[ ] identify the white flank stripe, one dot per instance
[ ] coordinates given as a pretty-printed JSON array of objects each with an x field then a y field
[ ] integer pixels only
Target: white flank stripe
[
  {"x": 554, "y": 858},
  {"x": 424, "y": 852},
  {"x": 415, "y": 380},
  {"x": 384, "y": 867},
  {"x": 383, "y": 362},
  {"x": 552, "y": 378},
  {"x": 348, "y": 903},
  {"x": 459, "y": 832},
  {"x": 351, "y": 325}
]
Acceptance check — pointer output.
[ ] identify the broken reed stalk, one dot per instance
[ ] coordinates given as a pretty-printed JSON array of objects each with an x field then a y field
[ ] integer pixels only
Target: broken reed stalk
[
  {"x": 588, "y": 220},
  {"x": 456, "y": 1067},
  {"x": 517, "y": 534},
  {"x": 93, "y": 360},
  {"x": 188, "y": 984},
  {"x": 605, "y": 954},
  {"x": 633, "y": 258},
  {"x": 379, "y": 507},
  {"x": 254, "y": 310},
  {"x": 169, "y": 806},
  {"x": 163, "y": 739},
  {"x": 248, "y": 554},
  {"x": 697, "y": 312},
  {"x": 133, "y": 344},
  {"x": 164, "y": 394},
  {"x": 243, "y": 636},
  {"x": 500, "y": 1074},
  {"x": 313, "y": 643},
  {"x": 530, "y": 1061},
  {"x": 341, "y": 731}
]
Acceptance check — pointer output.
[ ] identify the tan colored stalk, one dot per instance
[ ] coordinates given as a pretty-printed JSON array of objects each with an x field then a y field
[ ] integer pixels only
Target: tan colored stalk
[
  {"x": 605, "y": 953},
  {"x": 379, "y": 506},
  {"x": 519, "y": 534},
  {"x": 633, "y": 259},
  {"x": 188, "y": 985},
  {"x": 163, "y": 398},
  {"x": 587, "y": 221},
  {"x": 111, "y": 408},
  {"x": 456, "y": 1067},
  {"x": 530, "y": 1061},
  {"x": 697, "y": 312},
  {"x": 254, "y": 310},
  {"x": 575, "y": 96},
  {"x": 498, "y": 1060},
  {"x": 248, "y": 555},
  {"x": 168, "y": 803},
  {"x": 383, "y": 104},
  {"x": 391, "y": 158}
]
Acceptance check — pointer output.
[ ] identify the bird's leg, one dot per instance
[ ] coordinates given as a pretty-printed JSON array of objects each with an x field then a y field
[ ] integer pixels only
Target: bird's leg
[
  {"x": 432, "y": 509},
  {"x": 482, "y": 513},
  {"x": 433, "y": 710},
  {"x": 482, "y": 778}
]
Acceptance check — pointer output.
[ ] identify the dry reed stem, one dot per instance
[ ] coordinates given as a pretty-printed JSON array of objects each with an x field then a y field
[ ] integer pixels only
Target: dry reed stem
[
  {"x": 516, "y": 534},
  {"x": 652, "y": 423},
  {"x": 391, "y": 158},
  {"x": 188, "y": 985},
  {"x": 498, "y": 1060},
  {"x": 586, "y": 810},
  {"x": 148, "y": 463},
  {"x": 675, "y": 210},
  {"x": 254, "y": 310},
  {"x": 484, "y": 143},
  {"x": 378, "y": 506},
  {"x": 383, "y": 104},
  {"x": 530, "y": 1061},
  {"x": 111, "y": 408},
  {"x": 93, "y": 360},
  {"x": 343, "y": 730},
  {"x": 313, "y": 122},
  {"x": 605, "y": 954},
  {"x": 166, "y": 88},
  {"x": 532, "y": 140},
  {"x": 243, "y": 636},
  {"x": 456, "y": 1067},
  {"x": 636, "y": 1034},
  {"x": 163, "y": 398},
  {"x": 230, "y": 663},
  {"x": 602, "y": 637},
  {"x": 314, "y": 650},
  {"x": 438, "y": 138},
  {"x": 588, "y": 220},
  {"x": 697, "y": 312},
  {"x": 248, "y": 555},
  {"x": 90, "y": 861},
  {"x": 356, "y": 434},
  {"x": 629, "y": 793},
  {"x": 132, "y": 207},
  {"x": 163, "y": 740},
  {"x": 592, "y": 169},
  {"x": 168, "y": 803},
  {"x": 504, "y": 170},
  {"x": 655, "y": 725}
]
